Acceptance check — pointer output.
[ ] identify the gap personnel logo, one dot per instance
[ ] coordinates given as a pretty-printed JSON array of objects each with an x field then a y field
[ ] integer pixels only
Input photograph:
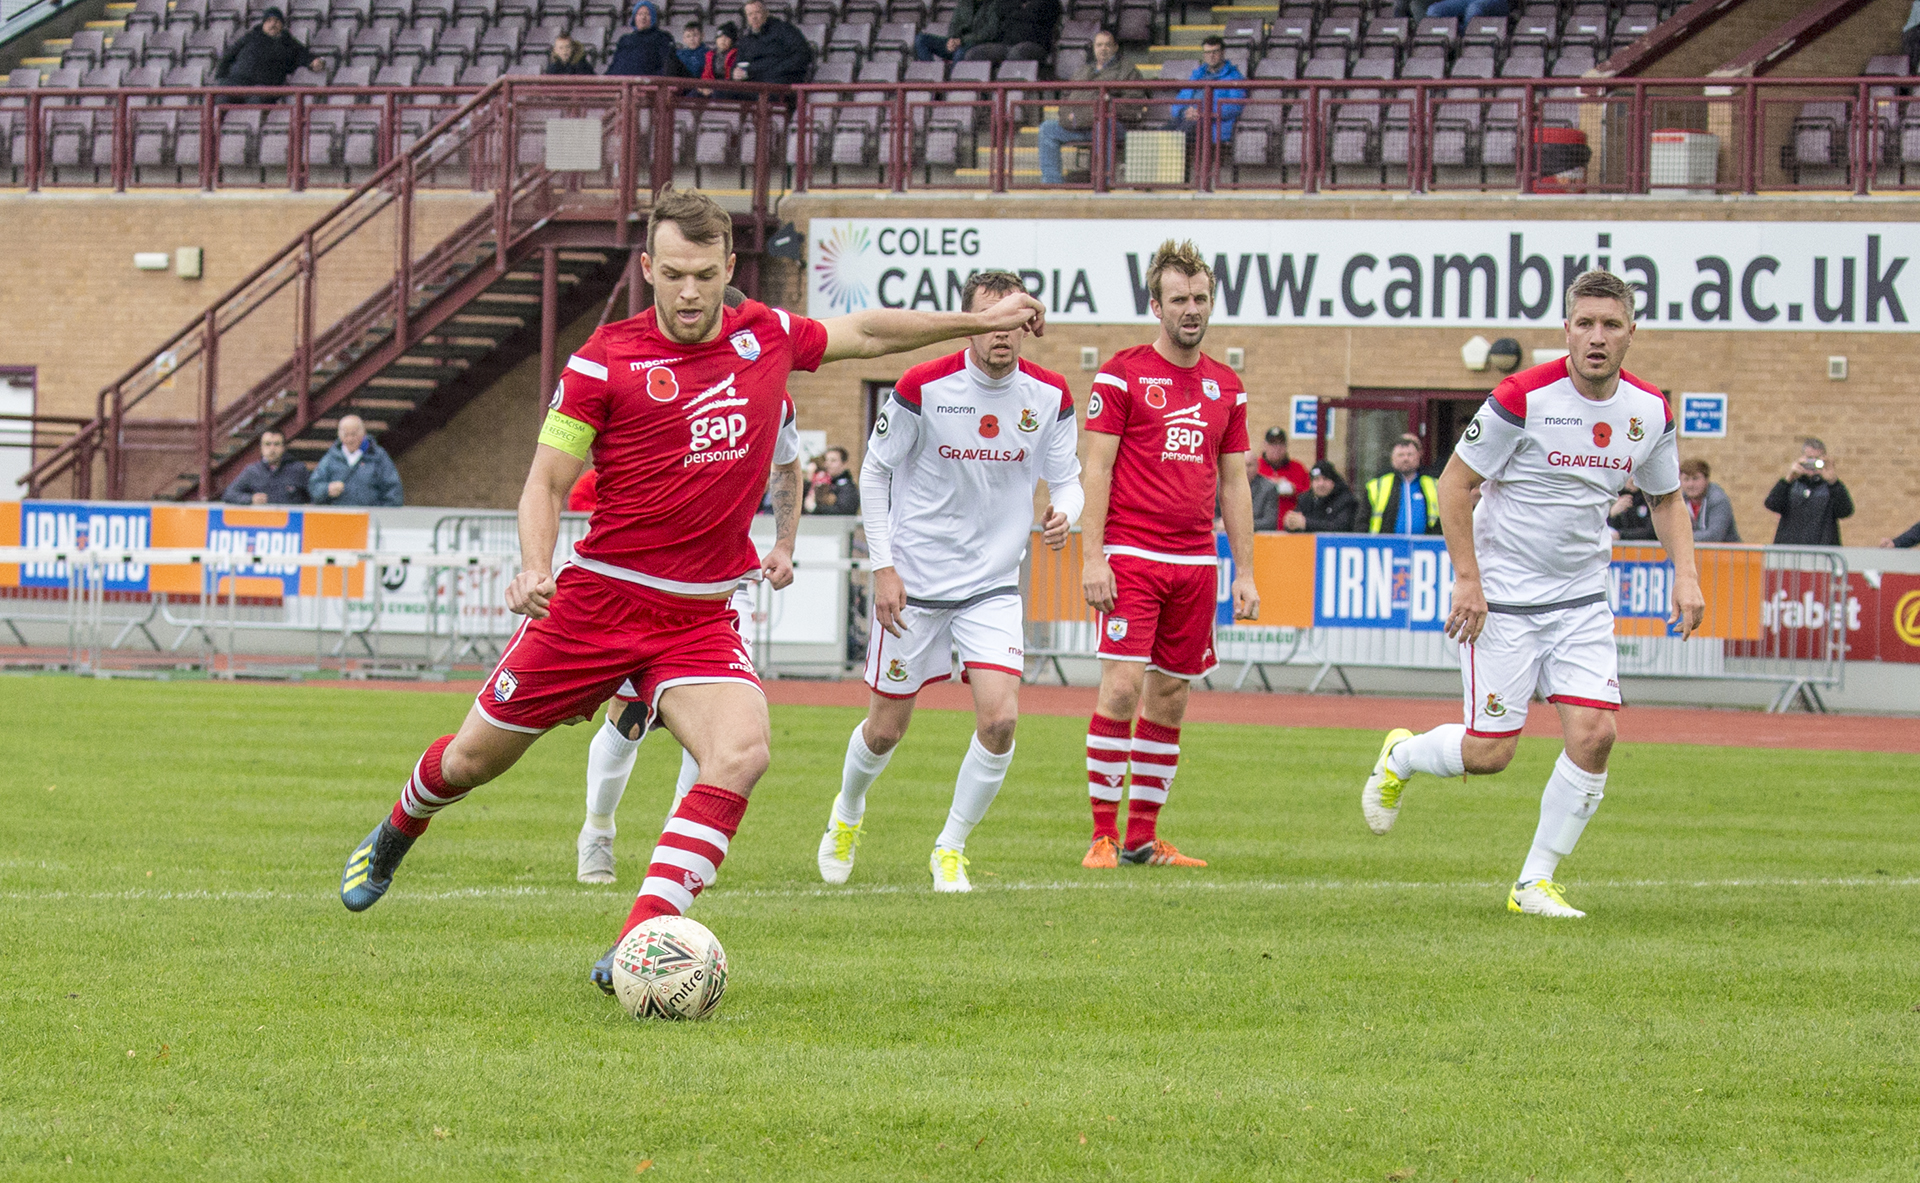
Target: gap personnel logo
[
  {"x": 1027, "y": 421},
  {"x": 1495, "y": 709},
  {"x": 895, "y": 671},
  {"x": 504, "y": 685},
  {"x": 662, "y": 386},
  {"x": 989, "y": 426},
  {"x": 838, "y": 271},
  {"x": 745, "y": 344},
  {"x": 1634, "y": 431},
  {"x": 1210, "y": 388},
  {"x": 1602, "y": 434},
  {"x": 1116, "y": 628}
]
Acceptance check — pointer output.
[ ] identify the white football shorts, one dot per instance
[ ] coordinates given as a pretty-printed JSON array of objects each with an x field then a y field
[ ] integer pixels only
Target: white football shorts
[
  {"x": 988, "y": 634},
  {"x": 1567, "y": 655}
]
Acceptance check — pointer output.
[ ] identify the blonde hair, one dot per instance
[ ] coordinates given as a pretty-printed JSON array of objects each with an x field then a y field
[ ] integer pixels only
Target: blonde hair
[
  {"x": 1183, "y": 257},
  {"x": 699, "y": 218}
]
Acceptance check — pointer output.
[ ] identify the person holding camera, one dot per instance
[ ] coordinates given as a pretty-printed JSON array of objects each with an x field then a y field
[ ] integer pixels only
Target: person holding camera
[{"x": 1810, "y": 499}]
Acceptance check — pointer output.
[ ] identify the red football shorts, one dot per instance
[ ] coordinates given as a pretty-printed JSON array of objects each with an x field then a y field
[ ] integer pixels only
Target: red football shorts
[
  {"x": 598, "y": 633},
  {"x": 1162, "y": 615}
]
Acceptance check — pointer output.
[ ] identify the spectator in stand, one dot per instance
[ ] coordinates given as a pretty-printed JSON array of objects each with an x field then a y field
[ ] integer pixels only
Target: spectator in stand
[
  {"x": 355, "y": 470},
  {"x": 975, "y": 22},
  {"x": 271, "y": 480},
  {"x": 1466, "y": 10},
  {"x": 1811, "y": 499},
  {"x": 1288, "y": 475},
  {"x": 263, "y": 56},
  {"x": 835, "y": 490},
  {"x": 1631, "y": 518},
  {"x": 1904, "y": 541},
  {"x": 721, "y": 59},
  {"x": 1404, "y": 500},
  {"x": 568, "y": 57},
  {"x": 1711, "y": 509},
  {"x": 771, "y": 50},
  {"x": 1075, "y": 125},
  {"x": 1266, "y": 500},
  {"x": 1213, "y": 67},
  {"x": 1027, "y": 29},
  {"x": 693, "y": 49},
  {"x": 1910, "y": 35},
  {"x": 1327, "y": 507},
  {"x": 645, "y": 50}
]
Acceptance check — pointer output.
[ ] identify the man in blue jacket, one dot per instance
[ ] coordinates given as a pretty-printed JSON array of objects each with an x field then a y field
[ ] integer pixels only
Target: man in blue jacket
[
  {"x": 1213, "y": 67},
  {"x": 355, "y": 471},
  {"x": 645, "y": 49}
]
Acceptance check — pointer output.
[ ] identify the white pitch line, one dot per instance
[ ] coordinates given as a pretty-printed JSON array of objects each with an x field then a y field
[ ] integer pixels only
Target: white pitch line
[{"x": 1250, "y": 885}]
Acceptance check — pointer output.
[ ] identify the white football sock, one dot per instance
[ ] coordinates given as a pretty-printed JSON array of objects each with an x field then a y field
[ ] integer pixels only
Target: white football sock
[
  {"x": 981, "y": 775},
  {"x": 609, "y": 764},
  {"x": 1437, "y": 752},
  {"x": 1571, "y": 796},
  {"x": 857, "y": 775},
  {"x": 689, "y": 774}
]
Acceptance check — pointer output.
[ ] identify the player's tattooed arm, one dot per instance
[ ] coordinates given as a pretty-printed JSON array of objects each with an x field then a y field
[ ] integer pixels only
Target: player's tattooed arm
[
  {"x": 878, "y": 332},
  {"x": 783, "y": 488},
  {"x": 1673, "y": 526},
  {"x": 1456, "y": 485}
]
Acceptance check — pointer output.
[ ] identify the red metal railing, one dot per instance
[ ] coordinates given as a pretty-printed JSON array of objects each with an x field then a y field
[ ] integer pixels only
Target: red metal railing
[
  {"x": 1488, "y": 135},
  {"x": 325, "y": 308}
]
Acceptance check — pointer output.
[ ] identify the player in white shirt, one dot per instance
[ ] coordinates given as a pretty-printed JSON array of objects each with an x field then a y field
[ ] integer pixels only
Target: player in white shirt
[
  {"x": 946, "y": 494},
  {"x": 1549, "y": 452}
]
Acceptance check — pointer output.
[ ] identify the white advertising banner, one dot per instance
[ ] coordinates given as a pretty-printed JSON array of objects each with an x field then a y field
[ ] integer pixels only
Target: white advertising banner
[{"x": 1781, "y": 276}]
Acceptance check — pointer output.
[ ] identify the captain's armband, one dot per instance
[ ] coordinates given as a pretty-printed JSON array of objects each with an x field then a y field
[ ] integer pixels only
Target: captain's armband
[{"x": 567, "y": 434}]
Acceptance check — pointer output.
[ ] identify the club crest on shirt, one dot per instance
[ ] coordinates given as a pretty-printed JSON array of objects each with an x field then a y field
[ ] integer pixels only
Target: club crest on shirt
[
  {"x": 1602, "y": 434},
  {"x": 989, "y": 426},
  {"x": 895, "y": 671},
  {"x": 745, "y": 344},
  {"x": 1495, "y": 708},
  {"x": 1116, "y": 628},
  {"x": 504, "y": 685},
  {"x": 1210, "y": 388},
  {"x": 662, "y": 386},
  {"x": 1027, "y": 421},
  {"x": 1634, "y": 431}
]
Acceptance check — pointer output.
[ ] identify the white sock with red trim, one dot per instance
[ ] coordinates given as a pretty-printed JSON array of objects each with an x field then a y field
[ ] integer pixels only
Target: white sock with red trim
[
  {"x": 1571, "y": 796},
  {"x": 981, "y": 775},
  {"x": 609, "y": 765},
  {"x": 857, "y": 775},
  {"x": 1437, "y": 753}
]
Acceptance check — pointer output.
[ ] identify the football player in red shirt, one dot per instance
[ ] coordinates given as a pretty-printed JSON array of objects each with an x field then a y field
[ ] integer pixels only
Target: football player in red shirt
[
  {"x": 1167, "y": 427},
  {"x": 679, "y": 408}
]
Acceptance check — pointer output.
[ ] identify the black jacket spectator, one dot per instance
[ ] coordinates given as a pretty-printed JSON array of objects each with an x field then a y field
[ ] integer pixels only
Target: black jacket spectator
[
  {"x": 1910, "y": 538},
  {"x": 648, "y": 51},
  {"x": 578, "y": 63},
  {"x": 777, "y": 53},
  {"x": 839, "y": 496},
  {"x": 259, "y": 60},
  {"x": 1026, "y": 32},
  {"x": 1336, "y": 513},
  {"x": 1266, "y": 502},
  {"x": 284, "y": 483},
  {"x": 1810, "y": 510},
  {"x": 1635, "y": 523}
]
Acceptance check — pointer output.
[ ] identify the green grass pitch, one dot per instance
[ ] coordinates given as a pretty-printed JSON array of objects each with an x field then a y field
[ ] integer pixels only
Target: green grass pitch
[{"x": 183, "y": 995}]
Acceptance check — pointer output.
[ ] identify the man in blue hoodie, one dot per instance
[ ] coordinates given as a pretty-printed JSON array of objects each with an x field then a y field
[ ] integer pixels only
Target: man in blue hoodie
[
  {"x": 646, "y": 49},
  {"x": 355, "y": 471},
  {"x": 1213, "y": 67}
]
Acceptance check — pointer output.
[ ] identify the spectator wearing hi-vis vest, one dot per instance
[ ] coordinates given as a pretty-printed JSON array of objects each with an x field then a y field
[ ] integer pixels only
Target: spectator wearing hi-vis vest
[{"x": 1404, "y": 501}]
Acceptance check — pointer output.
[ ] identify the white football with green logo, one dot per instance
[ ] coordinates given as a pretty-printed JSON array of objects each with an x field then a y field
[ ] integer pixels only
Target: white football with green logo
[{"x": 670, "y": 967}]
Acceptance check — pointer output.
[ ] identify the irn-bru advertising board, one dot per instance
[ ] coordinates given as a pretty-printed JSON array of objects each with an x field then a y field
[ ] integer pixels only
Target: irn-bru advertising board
[{"x": 222, "y": 529}]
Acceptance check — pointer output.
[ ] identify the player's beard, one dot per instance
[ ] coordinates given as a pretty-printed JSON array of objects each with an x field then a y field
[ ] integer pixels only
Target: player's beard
[
  {"x": 1188, "y": 338},
  {"x": 670, "y": 323}
]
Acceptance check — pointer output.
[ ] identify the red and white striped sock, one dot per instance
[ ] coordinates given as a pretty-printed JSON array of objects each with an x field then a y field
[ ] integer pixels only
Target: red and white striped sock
[
  {"x": 1156, "y": 756},
  {"x": 688, "y": 858},
  {"x": 427, "y": 792},
  {"x": 1108, "y": 741}
]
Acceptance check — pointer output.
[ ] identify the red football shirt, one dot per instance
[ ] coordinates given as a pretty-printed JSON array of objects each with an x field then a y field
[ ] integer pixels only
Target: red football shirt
[
  {"x": 1174, "y": 424},
  {"x": 1295, "y": 474},
  {"x": 682, "y": 438}
]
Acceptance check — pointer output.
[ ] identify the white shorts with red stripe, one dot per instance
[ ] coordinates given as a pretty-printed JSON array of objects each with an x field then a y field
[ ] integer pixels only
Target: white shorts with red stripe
[
  {"x": 1567, "y": 655},
  {"x": 988, "y": 632}
]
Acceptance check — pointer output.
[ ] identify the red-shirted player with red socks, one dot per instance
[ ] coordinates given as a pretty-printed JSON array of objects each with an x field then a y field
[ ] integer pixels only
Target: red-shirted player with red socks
[
  {"x": 1167, "y": 427},
  {"x": 679, "y": 408}
]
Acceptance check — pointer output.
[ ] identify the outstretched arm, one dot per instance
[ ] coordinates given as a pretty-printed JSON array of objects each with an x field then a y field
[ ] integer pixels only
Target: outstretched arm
[
  {"x": 1673, "y": 525},
  {"x": 1456, "y": 484},
  {"x": 877, "y": 332}
]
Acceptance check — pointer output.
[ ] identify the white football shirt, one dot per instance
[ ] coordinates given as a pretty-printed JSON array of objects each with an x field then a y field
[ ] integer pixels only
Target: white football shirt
[
  {"x": 1554, "y": 461},
  {"x": 946, "y": 487}
]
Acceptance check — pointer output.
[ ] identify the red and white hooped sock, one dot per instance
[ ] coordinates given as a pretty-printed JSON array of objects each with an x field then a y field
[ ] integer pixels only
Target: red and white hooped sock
[
  {"x": 1108, "y": 742},
  {"x": 687, "y": 860},
  {"x": 427, "y": 792},
  {"x": 1156, "y": 756}
]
